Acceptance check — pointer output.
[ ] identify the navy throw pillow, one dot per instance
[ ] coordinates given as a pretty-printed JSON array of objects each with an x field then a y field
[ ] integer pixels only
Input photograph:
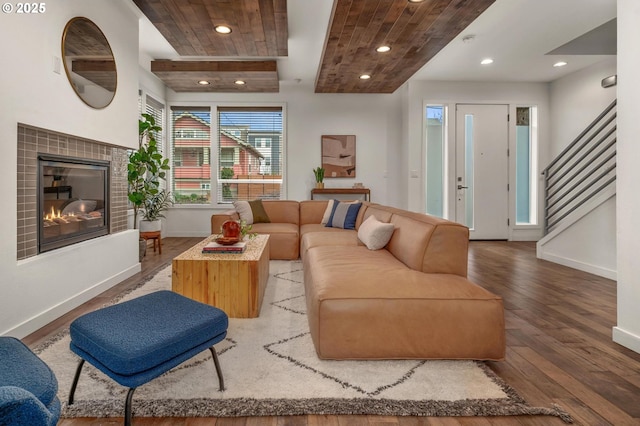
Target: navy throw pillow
[{"x": 344, "y": 215}]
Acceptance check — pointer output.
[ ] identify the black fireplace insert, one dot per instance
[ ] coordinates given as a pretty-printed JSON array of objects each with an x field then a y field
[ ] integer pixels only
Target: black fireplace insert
[{"x": 73, "y": 200}]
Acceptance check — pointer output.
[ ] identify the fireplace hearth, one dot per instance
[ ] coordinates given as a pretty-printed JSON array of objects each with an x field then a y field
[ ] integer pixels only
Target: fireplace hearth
[{"x": 73, "y": 200}]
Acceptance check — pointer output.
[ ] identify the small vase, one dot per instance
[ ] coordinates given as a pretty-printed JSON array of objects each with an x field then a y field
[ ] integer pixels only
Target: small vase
[{"x": 319, "y": 185}]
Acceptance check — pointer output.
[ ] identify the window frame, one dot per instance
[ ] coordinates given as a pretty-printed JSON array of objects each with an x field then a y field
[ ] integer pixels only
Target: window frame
[{"x": 213, "y": 145}]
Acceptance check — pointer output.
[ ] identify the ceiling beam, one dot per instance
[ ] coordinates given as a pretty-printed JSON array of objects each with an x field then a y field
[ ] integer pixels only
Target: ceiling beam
[{"x": 183, "y": 76}]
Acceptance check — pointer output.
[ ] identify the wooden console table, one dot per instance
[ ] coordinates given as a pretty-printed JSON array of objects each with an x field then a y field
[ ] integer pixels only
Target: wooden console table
[{"x": 348, "y": 191}]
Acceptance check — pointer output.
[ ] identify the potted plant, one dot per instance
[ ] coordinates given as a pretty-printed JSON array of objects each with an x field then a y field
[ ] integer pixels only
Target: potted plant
[
  {"x": 146, "y": 168},
  {"x": 154, "y": 208},
  {"x": 319, "y": 172}
]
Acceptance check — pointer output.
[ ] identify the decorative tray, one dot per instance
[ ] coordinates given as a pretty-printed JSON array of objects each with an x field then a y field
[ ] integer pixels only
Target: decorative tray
[{"x": 227, "y": 241}]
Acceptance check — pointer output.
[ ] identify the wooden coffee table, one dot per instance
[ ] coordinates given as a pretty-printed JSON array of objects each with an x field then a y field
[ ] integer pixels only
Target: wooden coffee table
[{"x": 234, "y": 283}]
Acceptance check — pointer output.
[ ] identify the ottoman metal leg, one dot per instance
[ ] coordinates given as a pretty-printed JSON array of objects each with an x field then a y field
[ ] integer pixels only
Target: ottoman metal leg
[
  {"x": 127, "y": 407},
  {"x": 218, "y": 369},
  {"x": 75, "y": 381}
]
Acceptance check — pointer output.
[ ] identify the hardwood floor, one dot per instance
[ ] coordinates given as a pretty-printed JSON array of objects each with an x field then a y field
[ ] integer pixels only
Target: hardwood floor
[{"x": 559, "y": 347}]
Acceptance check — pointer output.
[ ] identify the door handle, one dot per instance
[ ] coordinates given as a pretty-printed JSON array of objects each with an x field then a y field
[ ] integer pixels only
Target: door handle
[{"x": 462, "y": 187}]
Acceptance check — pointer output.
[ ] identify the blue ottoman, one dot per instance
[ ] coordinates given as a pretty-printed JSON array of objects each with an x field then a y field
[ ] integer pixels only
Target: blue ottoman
[
  {"x": 136, "y": 341},
  {"x": 28, "y": 387}
]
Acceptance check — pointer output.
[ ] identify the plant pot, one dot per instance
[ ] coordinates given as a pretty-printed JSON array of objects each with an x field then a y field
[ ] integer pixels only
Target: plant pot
[
  {"x": 150, "y": 226},
  {"x": 319, "y": 185}
]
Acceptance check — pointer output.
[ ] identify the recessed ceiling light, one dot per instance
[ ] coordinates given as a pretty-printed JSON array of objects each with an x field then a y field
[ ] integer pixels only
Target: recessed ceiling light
[
  {"x": 383, "y": 49},
  {"x": 204, "y": 83},
  {"x": 222, "y": 29},
  {"x": 560, "y": 64},
  {"x": 240, "y": 82},
  {"x": 416, "y": 1},
  {"x": 365, "y": 77},
  {"x": 486, "y": 61}
]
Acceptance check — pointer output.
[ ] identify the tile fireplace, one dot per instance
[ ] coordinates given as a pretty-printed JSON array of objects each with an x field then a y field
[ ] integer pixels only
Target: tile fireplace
[{"x": 70, "y": 189}]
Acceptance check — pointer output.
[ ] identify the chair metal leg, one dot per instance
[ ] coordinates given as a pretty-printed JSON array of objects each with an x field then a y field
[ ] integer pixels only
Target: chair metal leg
[
  {"x": 218, "y": 369},
  {"x": 127, "y": 407},
  {"x": 75, "y": 381}
]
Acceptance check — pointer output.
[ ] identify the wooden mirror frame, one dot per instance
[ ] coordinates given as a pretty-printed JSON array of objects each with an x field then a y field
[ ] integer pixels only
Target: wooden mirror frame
[{"x": 89, "y": 62}]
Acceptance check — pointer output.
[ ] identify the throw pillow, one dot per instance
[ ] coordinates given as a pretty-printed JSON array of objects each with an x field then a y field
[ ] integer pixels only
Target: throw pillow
[
  {"x": 327, "y": 212},
  {"x": 259, "y": 214},
  {"x": 344, "y": 215},
  {"x": 244, "y": 210},
  {"x": 375, "y": 234},
  {"x": 251, "y": 211}
]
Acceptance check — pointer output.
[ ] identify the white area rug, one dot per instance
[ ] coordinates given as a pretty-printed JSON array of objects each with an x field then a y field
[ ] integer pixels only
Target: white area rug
[{"x": 270, "y": 368}]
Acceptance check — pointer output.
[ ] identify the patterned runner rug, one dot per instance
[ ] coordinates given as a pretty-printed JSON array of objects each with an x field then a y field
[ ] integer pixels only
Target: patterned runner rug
[{"x": 270, "y": 368}]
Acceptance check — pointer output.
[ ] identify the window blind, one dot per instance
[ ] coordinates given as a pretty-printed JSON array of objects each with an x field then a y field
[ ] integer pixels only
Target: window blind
[
  {"x": 250, "y": 148},
  {"x": 156, "y": 109}
]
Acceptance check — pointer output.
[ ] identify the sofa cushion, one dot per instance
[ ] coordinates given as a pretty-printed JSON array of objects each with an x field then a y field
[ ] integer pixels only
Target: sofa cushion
[
  {"x": 326, "y": 237},
  {"x": 344, "y": 215},
  {"x": 284, "y": 239},
  {"x": 311, "y": 211},
  {"x": 282, "y": 211},
  {"x": 389, "y": 311},
  {"x": 375, "y": 234}
]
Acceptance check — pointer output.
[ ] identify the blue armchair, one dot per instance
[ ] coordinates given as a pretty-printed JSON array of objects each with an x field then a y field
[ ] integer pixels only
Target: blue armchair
[{"x": 28, "y": 387}]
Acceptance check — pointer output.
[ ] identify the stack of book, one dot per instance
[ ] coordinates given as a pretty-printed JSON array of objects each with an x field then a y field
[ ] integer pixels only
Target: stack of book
[{"x": 214, "y": 247}]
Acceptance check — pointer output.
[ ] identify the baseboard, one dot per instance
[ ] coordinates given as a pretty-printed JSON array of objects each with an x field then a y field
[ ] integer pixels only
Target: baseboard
[
  {"x": 626, "y": 339},
  {"x": 55, "y": 312},
  {"x": 581, "y": 266}
]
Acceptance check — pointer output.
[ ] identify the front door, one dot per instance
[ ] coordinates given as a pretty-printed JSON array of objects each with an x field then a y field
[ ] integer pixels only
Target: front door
[{"x": 482, "y": 141}]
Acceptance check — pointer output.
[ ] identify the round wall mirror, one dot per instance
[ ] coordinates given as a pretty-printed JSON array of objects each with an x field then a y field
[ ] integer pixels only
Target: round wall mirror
[{"x": 89, "y": 62}]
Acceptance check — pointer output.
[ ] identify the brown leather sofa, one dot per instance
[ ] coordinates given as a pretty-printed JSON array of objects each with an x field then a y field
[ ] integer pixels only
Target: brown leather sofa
[{"x": 410, "y": 300}]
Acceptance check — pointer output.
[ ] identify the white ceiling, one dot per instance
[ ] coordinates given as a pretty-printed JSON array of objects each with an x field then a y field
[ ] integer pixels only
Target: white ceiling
[{"x": 517, "y": 34}]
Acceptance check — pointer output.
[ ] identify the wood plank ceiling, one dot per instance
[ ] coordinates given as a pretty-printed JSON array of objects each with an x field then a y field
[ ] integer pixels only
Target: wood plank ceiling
[
  {"x": 258, "y": 29},
  {"x": 414, "y": 30}
]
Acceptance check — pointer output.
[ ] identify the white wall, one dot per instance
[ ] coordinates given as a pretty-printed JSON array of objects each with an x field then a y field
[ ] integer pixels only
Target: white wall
[
  {"x": 576, "y": 100},
  {"x": 37, "y": 290},
  {"x": 449, "y": 93},
  {"x": 590, "y": 244},
  {"x": 627, "y": 331},
  {"x": 374, "y": 119}
]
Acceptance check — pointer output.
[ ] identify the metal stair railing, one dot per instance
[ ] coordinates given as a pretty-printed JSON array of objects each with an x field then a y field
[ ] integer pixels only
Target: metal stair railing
[{"x": 582, "y": 170}]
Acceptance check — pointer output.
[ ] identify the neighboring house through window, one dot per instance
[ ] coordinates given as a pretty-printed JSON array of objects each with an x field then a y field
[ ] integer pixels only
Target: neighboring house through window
[{"x": 249, "y": 154}]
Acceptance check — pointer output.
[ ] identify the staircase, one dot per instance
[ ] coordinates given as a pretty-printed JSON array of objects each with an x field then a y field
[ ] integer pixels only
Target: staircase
[{"x": 580, "y": 190}]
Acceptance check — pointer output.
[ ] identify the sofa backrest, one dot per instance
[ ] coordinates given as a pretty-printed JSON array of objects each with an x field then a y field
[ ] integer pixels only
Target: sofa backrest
[
  {"x": 422, "y": 242},
  {"x": 311, "y": 211},
  {"x": 282, "y": 211}
]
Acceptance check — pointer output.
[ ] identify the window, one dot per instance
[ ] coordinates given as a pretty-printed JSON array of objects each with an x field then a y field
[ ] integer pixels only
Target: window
[
  {"x": 250, "y": 146},
  {"x": 191, "y": 147},
  {"x": 244, "y": 153},
  {"x": 526, "y": 166},
  {"x": 435, "y": 161}
]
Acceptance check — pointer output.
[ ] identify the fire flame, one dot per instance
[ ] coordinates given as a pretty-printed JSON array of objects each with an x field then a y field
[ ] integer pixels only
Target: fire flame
[{"x": 56, "y": 214}]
